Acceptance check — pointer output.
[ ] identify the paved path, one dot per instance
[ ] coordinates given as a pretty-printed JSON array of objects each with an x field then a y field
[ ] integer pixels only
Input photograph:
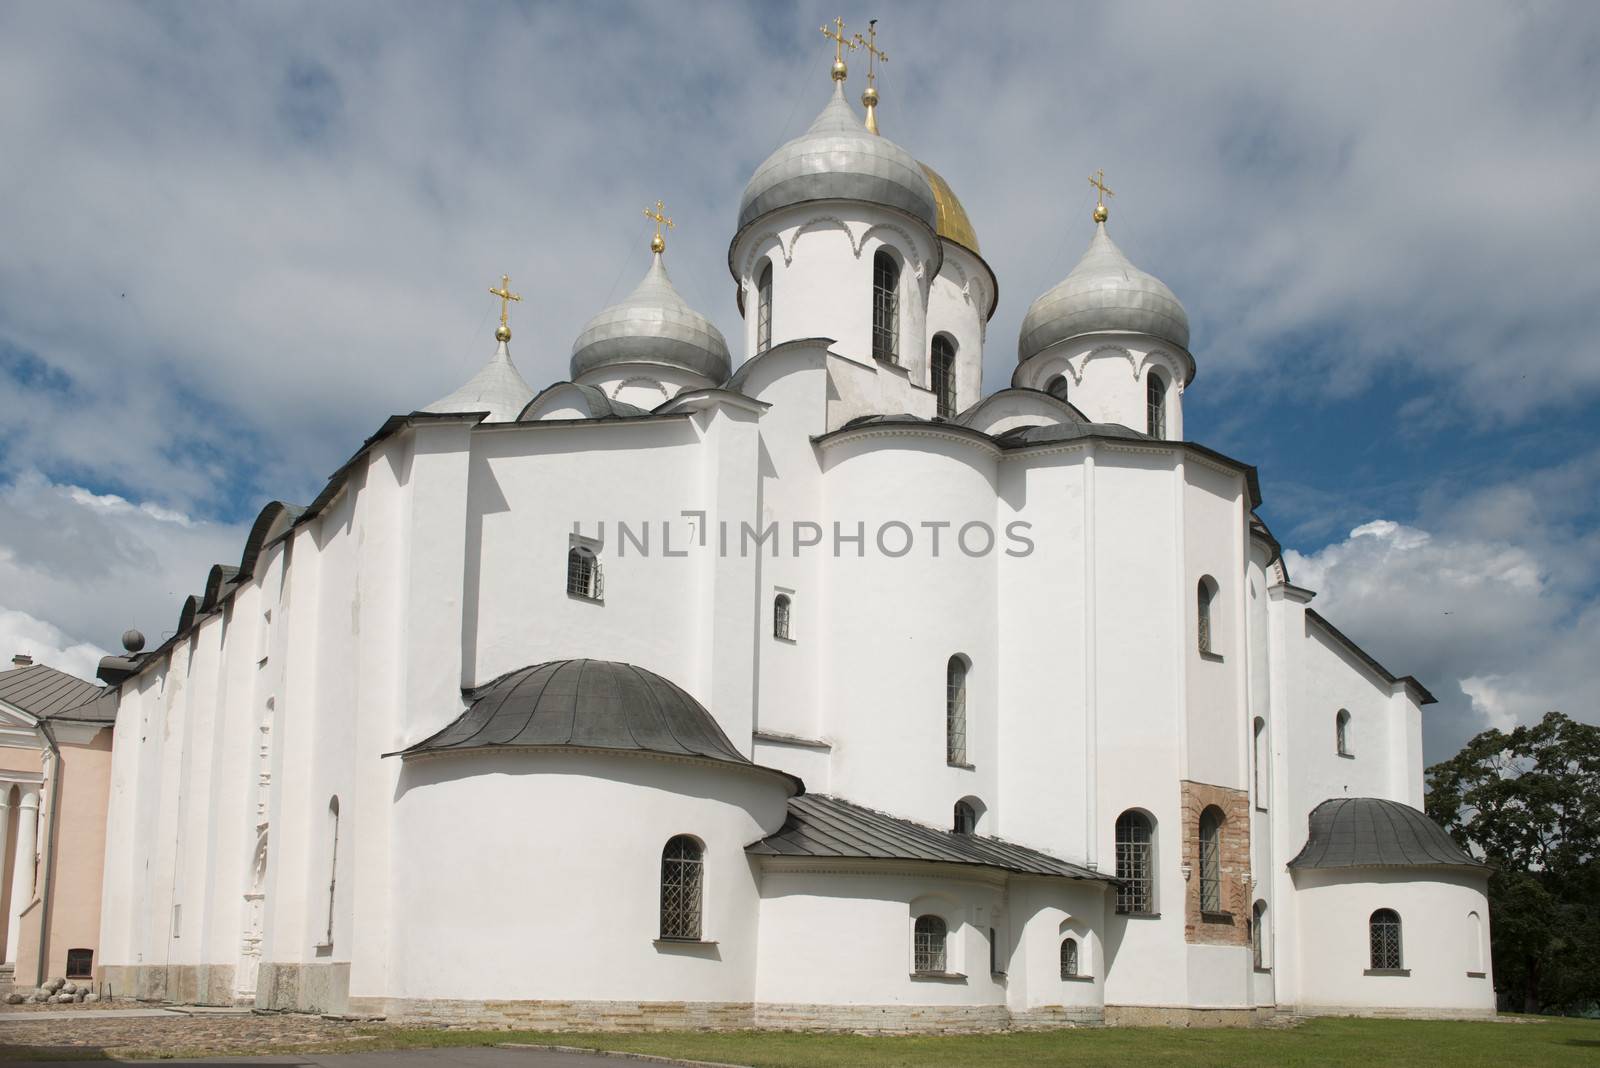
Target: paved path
[{"x": 416, "y": 1058}]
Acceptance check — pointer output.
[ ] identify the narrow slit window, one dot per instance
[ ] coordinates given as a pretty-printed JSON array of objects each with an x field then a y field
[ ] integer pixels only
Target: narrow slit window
[
  {"x": 764, "y": 309},
  {"x": 1211, "y": 860},
  {"x": 943, "y": 376},
  {"x": 780, "y": 616},
  {"x": 1155, "y": 404},
  {"x": 1135, "y": 863},
  {"x": 955, "y": 710},
  {"x": 885, "y": 308}
]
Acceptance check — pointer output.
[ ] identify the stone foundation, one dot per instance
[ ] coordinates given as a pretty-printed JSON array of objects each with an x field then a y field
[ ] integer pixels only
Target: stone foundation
[
  {"x": 304, "y": 987},
  {"x": 1180, "y": 1016},
  {"x": 178, "y": 984}
]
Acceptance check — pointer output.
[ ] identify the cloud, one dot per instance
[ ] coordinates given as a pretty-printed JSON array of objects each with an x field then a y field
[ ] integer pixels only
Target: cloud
[{"x": 45, "y": 642}]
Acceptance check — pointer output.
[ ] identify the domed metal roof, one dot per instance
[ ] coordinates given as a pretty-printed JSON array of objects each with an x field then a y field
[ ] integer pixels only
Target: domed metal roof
[
  {"x": 498, "y": 389},
  {"x": 952, "y": 222},
  {"x": 1103, "y": 292},
  {"x": 838, "y": 158},
  {"x": 587, "y": 704},
  {"x": 1370, "y": 832},
  {"x": 653, "y": 325}
]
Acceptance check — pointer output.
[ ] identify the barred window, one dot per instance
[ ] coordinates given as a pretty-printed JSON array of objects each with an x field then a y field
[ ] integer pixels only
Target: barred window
[
  {"x": 1155, "y": 405},
  {"x": 943, "y": 378},
  {"x": 780, "y": 616},
  {"x": 1258, "y": 937},
  {"x": 682, "y": 862},
  {"x": 885, "y": 308},
  {"x": 80, "y": 964},
  {"x": 583, "y": 573},
  {"x": 1384, "y": 930},
  {"x": 1341, "y": 732},
  {"x": 1135, "y": 863},
  {"x": 966, "y": 820},
  {"x": 1211, "y": 860},
  {"x": 928, "y": 951},
  {"x": 1069, "y": 958},
  {"x": 955, "y": 710},
  {"x": 764, "y": 309},
  {"x": 1203, "y": 596}
]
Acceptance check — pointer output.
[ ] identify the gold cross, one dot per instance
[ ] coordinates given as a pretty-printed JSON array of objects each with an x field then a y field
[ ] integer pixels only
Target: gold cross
[
  {"x": 658, "y": 243},
  {"x": 840, "y": 43},
  {"x": 506, "y": 296},
  {"x": 1098, "y": 180},
  {"x": 870, "y": 43}
]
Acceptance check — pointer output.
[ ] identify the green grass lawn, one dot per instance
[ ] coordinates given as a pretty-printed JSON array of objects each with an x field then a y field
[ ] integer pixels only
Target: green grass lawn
[{"x": 1368, "y": 1043}]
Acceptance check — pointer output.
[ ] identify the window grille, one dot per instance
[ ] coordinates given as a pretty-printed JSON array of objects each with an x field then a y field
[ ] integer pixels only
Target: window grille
[
  {"x": 955, "y": 711},
  {"x": 583, "y": 574},
  {"x": 1135, "y": 859},
  {"x": 928, "y": 952},
  {"x": 780, "y": 616},
  {"x": 1155, "y": 405},
  {"x": 944, "y": 376},
  {"x": 885, "y": 308},
  {"x": 1069, "y": 958},
  {"x": 80, "y": 964},
  {"x": 1203, "y": 602},
  {"x": 764, "y": 310},
  {"x": 1258, "y": 914},
  {"x": 966, "y": 820},
  {"x": 1341, "y": 732},
  {"x": 1211, "y": 861},
  {"x": 682, "y": 862},
  {"x": 1384, "y": 928}
]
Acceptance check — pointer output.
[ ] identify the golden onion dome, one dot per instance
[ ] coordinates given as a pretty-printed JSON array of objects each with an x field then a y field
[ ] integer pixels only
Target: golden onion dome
[{"x": 952, "y": 222}]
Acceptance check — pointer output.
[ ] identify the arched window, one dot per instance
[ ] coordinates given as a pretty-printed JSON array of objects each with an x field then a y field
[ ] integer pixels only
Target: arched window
[
  {"x": 764, "y": 309},
  {"x": 927, "y": 956},
  {"x": 583, "y": 573},
  {"x": 885, "y": 307},
  {"x": 333, "y": 862},
  {"x": 944, "y": 376},
  {"x": 1135, "y": 863},
  {"x": 1203, "y": 596},
  {"x": 1069, "y": 958},
  {"x": 955, "y": 710},
  {"x": 966, "y": 820},
  {"x": 1475, "y": 946},
  {"x": 1384, "y": 933},
  {"x": 682, "y": 862},
  {"x": 1057, "y": 387},
  {"x": 1211, "y": 859},
  {"x": 780, "y": 616},
  {"x": 1341, "y": 732},
  {"x": 1258, "y": 936},
  {"x": 1155, "y": 405},
  {"x": 1258, "y": 750}
]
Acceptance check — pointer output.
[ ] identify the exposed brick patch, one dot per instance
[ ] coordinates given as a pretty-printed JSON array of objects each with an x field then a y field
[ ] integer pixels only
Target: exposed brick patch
[{"x": 1210, "y": 929}]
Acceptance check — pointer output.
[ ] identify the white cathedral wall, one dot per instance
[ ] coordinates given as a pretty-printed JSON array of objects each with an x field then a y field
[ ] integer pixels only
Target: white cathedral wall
[
  {"x": 1440, "y": 943},
  {"x": 536, "y": 876},
  {"x": 1212, "y": 528},
  {"x": 958, "y": 301},
  {"x": 1106, "y": 376}
]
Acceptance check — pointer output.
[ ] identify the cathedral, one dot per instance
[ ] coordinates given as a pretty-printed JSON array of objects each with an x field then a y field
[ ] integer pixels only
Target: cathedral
[{"x": 817, "y": 690}]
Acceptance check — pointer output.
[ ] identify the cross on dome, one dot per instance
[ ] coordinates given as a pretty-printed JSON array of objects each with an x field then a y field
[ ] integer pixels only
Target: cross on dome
[
  {"x": 503, "y": 333},
  {"x": 658, "y": 243},
  {"x": 1098, "y": 180},
  {"x": 869, "y": 97},
  {"x": 840, "y": 43}
]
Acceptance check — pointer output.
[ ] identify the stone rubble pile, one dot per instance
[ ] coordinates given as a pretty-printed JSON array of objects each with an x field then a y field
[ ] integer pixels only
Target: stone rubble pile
[{"x": 55, "y": 992}]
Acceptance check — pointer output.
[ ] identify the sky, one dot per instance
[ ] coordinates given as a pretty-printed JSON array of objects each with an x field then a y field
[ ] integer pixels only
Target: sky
[{"x": 234, "y": 238}]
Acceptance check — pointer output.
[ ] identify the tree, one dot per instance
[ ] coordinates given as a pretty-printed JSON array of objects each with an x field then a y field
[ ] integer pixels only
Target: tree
[{"x": 1528, "y": 802}]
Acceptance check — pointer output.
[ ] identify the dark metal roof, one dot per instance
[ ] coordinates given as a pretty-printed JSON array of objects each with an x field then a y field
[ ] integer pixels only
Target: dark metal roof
[
  {"x": 600, "y": 405},
  {"x": 101, "y": 708},
  {"x": 42, "y": 691},
  {"x": 1423, "y": 696},
  {"x": 587, "y": 704},
  {"x": 823, "y": 826},
  {"x": 1369, "y": 832}
]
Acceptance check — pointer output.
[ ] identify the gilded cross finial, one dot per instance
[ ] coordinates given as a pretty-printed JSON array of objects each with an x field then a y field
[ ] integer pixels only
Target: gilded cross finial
[
  {"x": 659, "y": 242},
  {"x": 1098, "y": 180},
  {"x": 869, "y": 98},
  {"x": 503, "y": 333},
  {"x": 840, "y": 43}
]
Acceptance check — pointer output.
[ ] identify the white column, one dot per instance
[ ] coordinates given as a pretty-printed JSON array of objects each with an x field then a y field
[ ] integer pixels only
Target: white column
[
  {"x": 22, "y": 876},
  {"x": 5, "y": 829}
]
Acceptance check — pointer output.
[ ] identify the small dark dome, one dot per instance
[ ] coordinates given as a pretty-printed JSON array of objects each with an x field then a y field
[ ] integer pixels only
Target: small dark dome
[
  {"x": 1369, "y": 832},
  {"x": 132, "y": 640},
  {"x": 587, "y": 704}
]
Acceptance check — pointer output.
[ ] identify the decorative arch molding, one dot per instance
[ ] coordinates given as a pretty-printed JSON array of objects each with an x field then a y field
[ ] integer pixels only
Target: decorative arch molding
[
  {"x": 823, "y": 222},
  {"x": 644, "y": 382},
  {"x": 1108, "y": 350},
  {"x": 911, "y": 251},
  {"x": 1163, "y": 360},
  {"x": 761, "y": 248}
]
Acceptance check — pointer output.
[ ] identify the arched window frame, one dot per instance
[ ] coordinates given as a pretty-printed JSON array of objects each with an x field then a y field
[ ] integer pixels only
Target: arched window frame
[
  {"x": 1155, "y": 404},
  {"x": 1059, "y": 388},
  {"x": 886, "y": 275},
  {"x": 1069, "y": 958},
  {"x": 782, "y": 608},
  {"x": 1258, "y": 935},
  {"x": 929, "y": 945},
  {"x": 682, "y": 888},
  {"x": 957, "y": 670},
  {"x": 1475, "y": 968},
  {"x": 764, "y": 307},
  {"x": 1205, "y": 600},
  {"x": 942, "y": 375},
  {"x": 1212, "y": 823},
  {"x": 964, "y": 819},
  {"x": 1385, "y": 941},
  {"x": 1136, "y": 863},
  {"x": 585, "y": 577},
  {"x": 1341, "y": 733}
]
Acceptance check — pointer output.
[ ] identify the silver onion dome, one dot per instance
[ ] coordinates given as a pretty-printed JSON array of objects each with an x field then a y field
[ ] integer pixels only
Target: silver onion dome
[
  {"x": 838, "y": 158},
  {"x": 653, "y": 325},
  {"x": 1103, "y": 292}
]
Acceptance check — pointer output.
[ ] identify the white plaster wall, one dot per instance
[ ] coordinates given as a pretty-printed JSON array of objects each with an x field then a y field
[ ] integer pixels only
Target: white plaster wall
[
  {"x": 644, "y": 385},
  {"x": 1213, "y": 516},
  {"x": 1439, "y": 945},
  {"x": 958, "y": 305},
  {"x": 536, "y": 875},
  {"x": 1106, "y": 375}
]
